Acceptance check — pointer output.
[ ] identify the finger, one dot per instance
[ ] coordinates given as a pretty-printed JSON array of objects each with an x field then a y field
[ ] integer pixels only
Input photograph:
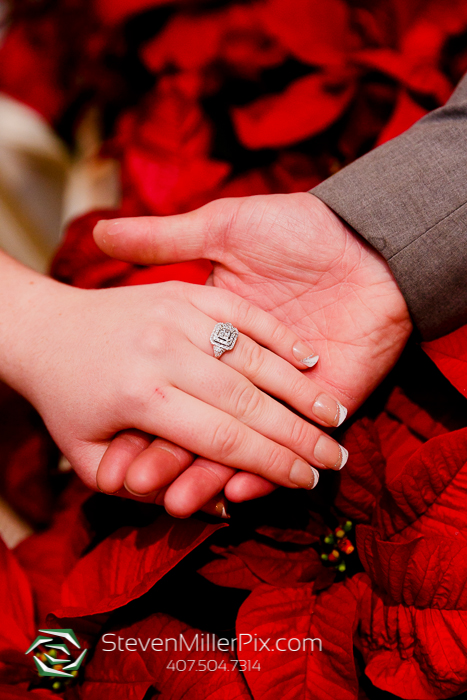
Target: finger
[
  {"x": 196, "y": 487},
  {"x": 155, "y": 467},
  {"x": 223, "y": 388},
  {"x": 257, "y": 324},
  {"x": 121, "y": 452},
  {"x": 150, "y": 240},
  {"x": 261, "y": 366},
  {"x": 211, "y": 433},
  {"x": 189, "y": 492},
  {"x": 246, "y": 487}
]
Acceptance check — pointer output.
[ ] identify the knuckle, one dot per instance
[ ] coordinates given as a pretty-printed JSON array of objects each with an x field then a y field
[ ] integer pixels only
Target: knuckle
[
  {"x": 279, "y": 334},
  {"x": 225, "y": 440},
  {"x": 252, "y": 359},
  {"x": 167, "y": 310},
  {"x": 298, "y": 386},
  {"x": 300, "y": 435},
  {"x": 175, "y": 288},
  {"x": 247, "y": 401},
  {"x": 273, "y": 464},
  {"x": 244, "y": 313},
  {"x": 160, "y": 340}
]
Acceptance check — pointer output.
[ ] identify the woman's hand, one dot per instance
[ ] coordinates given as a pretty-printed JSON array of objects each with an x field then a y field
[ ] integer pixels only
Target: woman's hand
[
  {"x": 96, "y": 362},
  {"x": 292, "y": 256}
]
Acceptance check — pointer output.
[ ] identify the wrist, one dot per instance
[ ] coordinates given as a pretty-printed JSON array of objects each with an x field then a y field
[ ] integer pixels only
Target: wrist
[{"x": 30, "y": 316}]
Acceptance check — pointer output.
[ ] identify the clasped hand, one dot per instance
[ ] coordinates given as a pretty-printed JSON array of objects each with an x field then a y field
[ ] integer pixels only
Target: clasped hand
[{"x": 289, "y": 255}]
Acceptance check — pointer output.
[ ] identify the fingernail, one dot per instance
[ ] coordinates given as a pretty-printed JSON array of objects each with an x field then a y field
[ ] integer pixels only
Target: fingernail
[
  {"x": 329, "y": 410},
  {"x": 221, "y": 510},
  {"x": 113, "y": 226},
  {"x": 133, "y": 493},
  {"x": 303, "y": 353},
  {"x": 330, "y": 454},
  {"x": 303, "y": 475}
]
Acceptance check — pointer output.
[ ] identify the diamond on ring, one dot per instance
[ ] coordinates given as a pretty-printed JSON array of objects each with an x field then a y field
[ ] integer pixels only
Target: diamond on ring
[{"x": 223, "y": 338}]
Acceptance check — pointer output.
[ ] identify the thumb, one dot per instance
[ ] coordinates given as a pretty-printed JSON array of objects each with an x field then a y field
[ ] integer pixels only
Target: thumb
[{"x": 167, "y": 239}]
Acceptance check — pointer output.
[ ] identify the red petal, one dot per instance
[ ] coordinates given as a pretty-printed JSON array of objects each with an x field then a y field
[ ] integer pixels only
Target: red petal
[
  {"x": 416, "y": 73},
  {"x": 314, "y": 32},
  {"x": 13, "y": 692},
  {"x": 27, "y": 452},
  {"x": 405, "y": 114},
  {"x": 28, "y": 67},
  {"x": 115, "y": 11},
  {"x": 230, "y": 571},
  {"x": 363, "y": 477},
  {"x": 412, "y": 653},
  {"x": 128, "y": 563},
  {"x": 308, "y": 106},
  {"x": 432, "y": 484},
  {"x": 296, "y": 613},
  {"x": 417, "y": 419},
  {"x": 449, "y": 354},
  {"x": 17, "y": 628},
  {"x": 425, "y": 572},
  {"x": 172, "y": 186},
  {"x": 250, "y": 563},
  {"x": 109, "y": 669},
  {"x": 48, "y": 556}
]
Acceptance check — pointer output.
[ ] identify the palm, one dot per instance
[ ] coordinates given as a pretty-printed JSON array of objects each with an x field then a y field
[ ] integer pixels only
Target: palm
[{"x": 291, "y": 256}]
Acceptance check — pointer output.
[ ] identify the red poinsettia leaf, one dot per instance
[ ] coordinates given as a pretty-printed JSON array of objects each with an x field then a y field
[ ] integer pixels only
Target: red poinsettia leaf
[
  {"x": 406, "y": 112},
  {"x": 430, "y": 482},
  {"x": 122, "y": 677},
  {"x": 48, "y": 556},
  {"x": 128, "y": 563},
  {"x": 251, "y": 562},
  {"x": 416, "y": 418},
  {"x": 112, "y": 12},
  {"x": 17, "y": 623},
  {"x": 449, "y": 354},
  {"x": 306, "y": 107},
  {"x": 315, "y": 33},
  {"x": 412, "y": 71},
  {"x": 29, "y": 58},
  {"x": 188, "y": 41},
  {"x": 189, "y": 675},
  {"x": 13, "y": 692},
  {"x": 26, "y": 454},
  {"x": 362, "y": 479},
  {"x": 172, "y": 186},
  {"x": 411, "y": 653},
  {"x": 230, "y": 571},
  {"x": 289, "y": 535},
  {"x": 288, "y": 619},
  {"x": 425, "y": 572}
]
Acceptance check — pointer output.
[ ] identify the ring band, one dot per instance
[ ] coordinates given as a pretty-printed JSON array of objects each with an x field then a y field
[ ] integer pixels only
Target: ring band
[{"x": 223, "y": 338}]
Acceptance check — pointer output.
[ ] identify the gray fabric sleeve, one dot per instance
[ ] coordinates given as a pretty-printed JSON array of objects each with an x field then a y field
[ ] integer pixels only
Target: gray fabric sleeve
[{"x": 408, "y": 199}]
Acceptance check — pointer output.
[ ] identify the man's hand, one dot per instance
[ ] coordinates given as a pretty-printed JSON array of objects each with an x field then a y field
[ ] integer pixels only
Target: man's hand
[{"x": 292, "y": 256}]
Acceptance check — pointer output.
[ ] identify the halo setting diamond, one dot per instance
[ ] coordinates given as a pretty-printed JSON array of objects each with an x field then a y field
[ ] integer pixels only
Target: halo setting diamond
[{"x": 223, "y": 338}]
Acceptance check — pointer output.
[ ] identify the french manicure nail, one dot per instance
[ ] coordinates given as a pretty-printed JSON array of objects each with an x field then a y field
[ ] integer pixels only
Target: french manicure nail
[
  {"x": 330, "y": 454},
  {"x": 221, "y": 510},
  {"x": 303, "y": 353},
  {"x": 303, "y": 475},
  {"x": 329, "y": 410}
]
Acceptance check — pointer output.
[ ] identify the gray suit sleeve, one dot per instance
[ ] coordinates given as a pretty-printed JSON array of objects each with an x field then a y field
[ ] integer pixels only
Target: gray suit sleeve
[{"x": 408, "y": 199}]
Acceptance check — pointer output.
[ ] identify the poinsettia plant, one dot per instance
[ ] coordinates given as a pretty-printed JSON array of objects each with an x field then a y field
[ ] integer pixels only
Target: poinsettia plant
[{"x": 199, "y": 100}]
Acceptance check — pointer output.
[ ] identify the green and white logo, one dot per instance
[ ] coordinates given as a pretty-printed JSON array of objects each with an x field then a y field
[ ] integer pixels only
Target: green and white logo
[{"x": 57, "y": 660}]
